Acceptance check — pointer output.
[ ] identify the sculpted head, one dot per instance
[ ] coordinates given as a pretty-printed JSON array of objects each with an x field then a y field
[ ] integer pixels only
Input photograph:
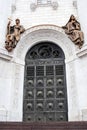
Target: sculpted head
[
  {"x": 72, "y": 18},
  {"x": 17, "y": 21}
]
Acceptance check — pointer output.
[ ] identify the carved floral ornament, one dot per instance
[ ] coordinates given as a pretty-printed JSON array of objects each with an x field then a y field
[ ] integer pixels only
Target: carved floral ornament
[
  {"x": 53, "y": 4},
  {"x": 72, "y": 29}
]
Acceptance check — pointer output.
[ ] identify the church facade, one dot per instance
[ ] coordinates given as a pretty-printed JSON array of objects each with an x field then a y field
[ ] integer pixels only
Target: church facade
[{"x": 44, "y": 76}]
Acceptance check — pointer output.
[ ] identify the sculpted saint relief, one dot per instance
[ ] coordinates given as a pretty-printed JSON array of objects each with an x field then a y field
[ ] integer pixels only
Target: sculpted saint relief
[
  {"x": 13, "y": 35},
  {"x": 72, "y": 29}
]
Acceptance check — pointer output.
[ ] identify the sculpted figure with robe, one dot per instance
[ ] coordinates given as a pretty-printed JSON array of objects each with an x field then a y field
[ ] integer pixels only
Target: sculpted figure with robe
[
  {"x": 73, "y": 30},
  {"x": 13, "y": 35}
]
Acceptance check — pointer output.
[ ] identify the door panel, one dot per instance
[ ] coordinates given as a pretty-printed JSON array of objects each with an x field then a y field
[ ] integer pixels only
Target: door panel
[{"x": 45, "y": 95}]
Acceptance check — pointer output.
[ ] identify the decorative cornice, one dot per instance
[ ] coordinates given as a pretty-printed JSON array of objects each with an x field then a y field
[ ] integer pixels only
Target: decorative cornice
[
  {"x": 9, "y": 57},
  {"x": 5, "y": 55},
  {"x": 82, "y": 51}
]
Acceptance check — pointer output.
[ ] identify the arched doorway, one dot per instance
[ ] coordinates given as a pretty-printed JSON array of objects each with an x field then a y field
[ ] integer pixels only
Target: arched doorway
[{"x": 45, "y": 94}]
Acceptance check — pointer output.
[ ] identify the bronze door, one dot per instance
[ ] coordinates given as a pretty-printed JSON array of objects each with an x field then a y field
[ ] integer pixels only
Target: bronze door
[{"x": 45, "y": 95}]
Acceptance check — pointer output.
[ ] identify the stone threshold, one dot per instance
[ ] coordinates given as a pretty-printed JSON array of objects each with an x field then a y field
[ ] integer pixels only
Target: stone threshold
[{"x": 44, "y": 126}]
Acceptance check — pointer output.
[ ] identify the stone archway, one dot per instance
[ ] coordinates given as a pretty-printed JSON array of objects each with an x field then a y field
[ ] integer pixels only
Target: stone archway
[
  {"x": 50, "y": 33},
  {"x": 32, "y": 36}
]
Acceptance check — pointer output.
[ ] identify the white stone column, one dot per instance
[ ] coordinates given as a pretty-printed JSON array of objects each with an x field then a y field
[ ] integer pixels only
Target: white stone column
[
  {"x": 5, "y": 12},
  {"x": 82, "y": 9}
]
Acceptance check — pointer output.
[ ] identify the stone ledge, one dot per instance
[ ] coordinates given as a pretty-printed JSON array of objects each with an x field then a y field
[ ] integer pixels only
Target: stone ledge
[
  {"x": 82, "y": 52},
  {"x": 5, "y": 55},
  {"x": 18, "y": 61}
]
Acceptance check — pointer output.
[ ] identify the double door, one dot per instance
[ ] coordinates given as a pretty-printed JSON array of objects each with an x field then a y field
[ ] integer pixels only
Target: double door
[{"x": 45, "y": 95}]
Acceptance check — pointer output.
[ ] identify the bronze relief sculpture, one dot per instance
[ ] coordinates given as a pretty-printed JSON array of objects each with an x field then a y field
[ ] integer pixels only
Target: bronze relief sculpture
[
  {"x": 73, "y": 30},
  {"x": 13, "y": 35}
]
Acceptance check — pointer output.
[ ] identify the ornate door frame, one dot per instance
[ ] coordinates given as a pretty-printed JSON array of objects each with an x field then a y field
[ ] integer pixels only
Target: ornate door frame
[{"x": 32, "y": 36}]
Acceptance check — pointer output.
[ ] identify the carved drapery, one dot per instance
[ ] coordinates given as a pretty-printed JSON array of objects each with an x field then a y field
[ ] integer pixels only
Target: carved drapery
[
  {"x": 73, "y": 30},
  {"x": 13, "y": 35}
]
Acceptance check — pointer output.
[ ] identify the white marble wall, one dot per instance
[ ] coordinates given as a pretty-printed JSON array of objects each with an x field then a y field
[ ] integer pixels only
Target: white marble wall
[
  {"x": 5, "y": 13},
  {"x": 82, "y": 9},
  {"x": 6, "y": 71},
  {"x": 81, "y": 82}
]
